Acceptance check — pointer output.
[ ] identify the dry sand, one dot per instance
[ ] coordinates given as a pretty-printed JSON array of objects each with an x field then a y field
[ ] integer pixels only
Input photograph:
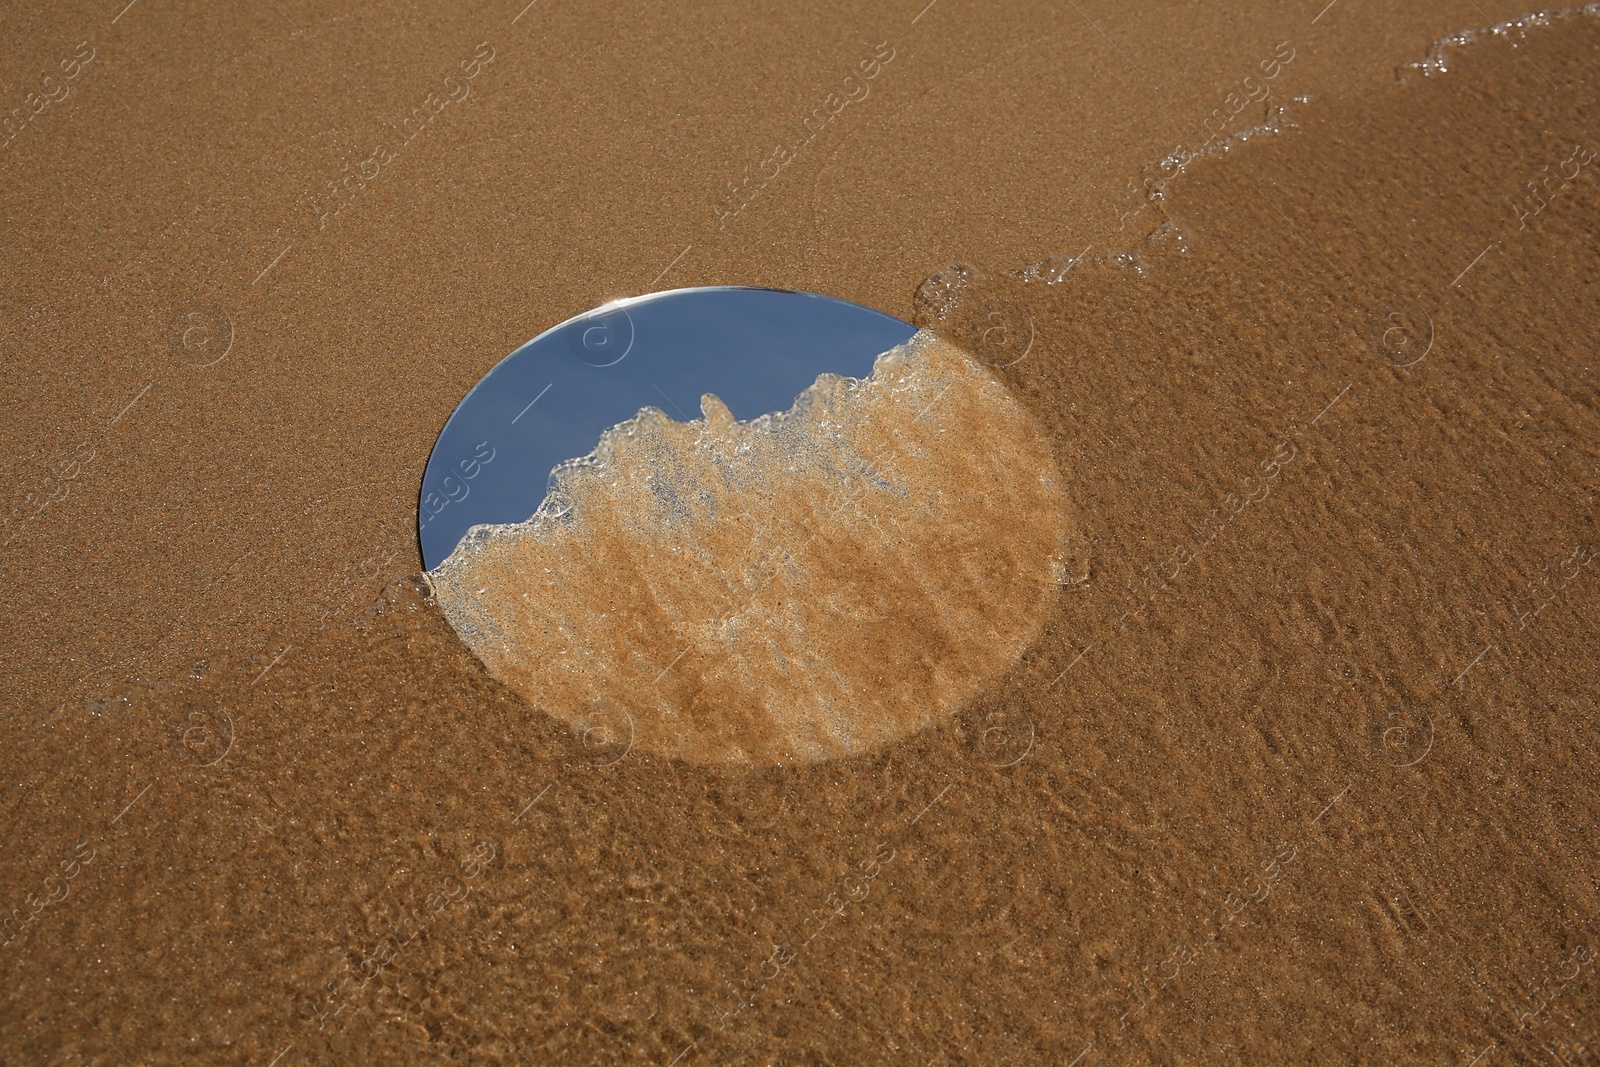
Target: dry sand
[{"x": 1297, "y": 775}]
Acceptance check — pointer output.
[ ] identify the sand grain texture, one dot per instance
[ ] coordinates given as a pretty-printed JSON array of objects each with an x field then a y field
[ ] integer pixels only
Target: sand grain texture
[{"x": 1304, "y": 772}]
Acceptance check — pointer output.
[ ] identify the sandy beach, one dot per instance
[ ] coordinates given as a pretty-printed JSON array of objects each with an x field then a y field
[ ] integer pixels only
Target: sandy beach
[{"x": 1301, "y": 302}]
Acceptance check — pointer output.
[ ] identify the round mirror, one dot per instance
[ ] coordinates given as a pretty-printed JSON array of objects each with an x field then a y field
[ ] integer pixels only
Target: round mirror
[
  {"x": 549, "y": 401},
  {"x": 742, "y": 525}
]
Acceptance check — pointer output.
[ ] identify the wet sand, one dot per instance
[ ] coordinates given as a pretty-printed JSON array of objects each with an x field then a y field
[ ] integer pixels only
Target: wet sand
[{"x": 1299, "y": 774}]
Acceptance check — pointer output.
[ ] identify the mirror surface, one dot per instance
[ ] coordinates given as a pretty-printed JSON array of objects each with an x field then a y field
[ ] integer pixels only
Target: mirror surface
[{"x": 550, "y": 400}]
